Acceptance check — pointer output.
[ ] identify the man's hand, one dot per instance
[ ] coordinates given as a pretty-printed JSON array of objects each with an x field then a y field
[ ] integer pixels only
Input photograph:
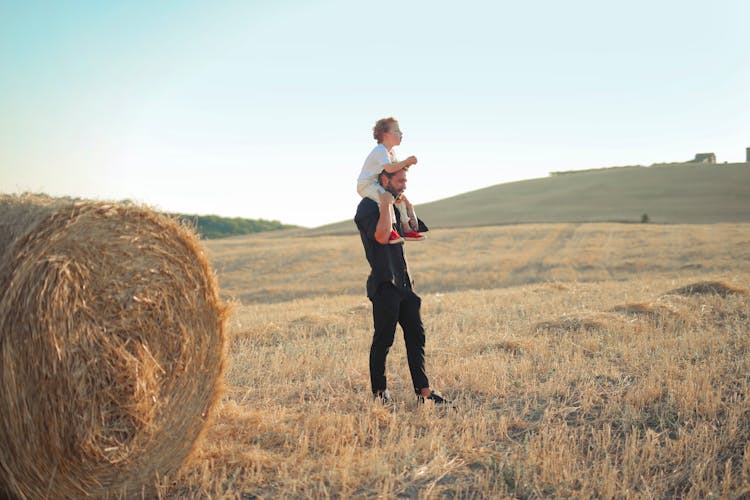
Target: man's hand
[{"x": 386, "y": 198}]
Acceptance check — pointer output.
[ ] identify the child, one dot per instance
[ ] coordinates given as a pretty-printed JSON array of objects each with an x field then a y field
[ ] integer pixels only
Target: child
[{"x": 386, "y": 131}]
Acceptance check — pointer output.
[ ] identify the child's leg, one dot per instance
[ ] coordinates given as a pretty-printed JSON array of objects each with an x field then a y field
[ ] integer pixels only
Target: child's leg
[
  {"x": 408, "y": 217},
  {"x": 373, "y": 192}
]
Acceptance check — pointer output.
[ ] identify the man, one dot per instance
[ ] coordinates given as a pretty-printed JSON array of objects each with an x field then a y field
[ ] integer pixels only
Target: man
[{"x": 389, "y": 288}]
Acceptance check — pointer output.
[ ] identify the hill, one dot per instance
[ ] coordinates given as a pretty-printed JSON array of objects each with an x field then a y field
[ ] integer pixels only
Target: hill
[{"x": 684, "y": 193}]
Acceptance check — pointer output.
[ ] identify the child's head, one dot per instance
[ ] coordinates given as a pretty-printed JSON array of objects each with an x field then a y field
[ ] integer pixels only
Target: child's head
[{"x": 383, "y": 126}]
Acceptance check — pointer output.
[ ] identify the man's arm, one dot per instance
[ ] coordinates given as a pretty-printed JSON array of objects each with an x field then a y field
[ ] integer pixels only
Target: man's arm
[{"x": 385, "y": 225}]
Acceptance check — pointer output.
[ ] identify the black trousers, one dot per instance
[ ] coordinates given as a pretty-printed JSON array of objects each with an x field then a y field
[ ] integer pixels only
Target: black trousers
[{"x": 390, "y": 306}]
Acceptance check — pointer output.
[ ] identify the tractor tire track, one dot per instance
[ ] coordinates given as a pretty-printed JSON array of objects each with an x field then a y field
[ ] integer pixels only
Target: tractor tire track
[{"x": 534, "y": 269}]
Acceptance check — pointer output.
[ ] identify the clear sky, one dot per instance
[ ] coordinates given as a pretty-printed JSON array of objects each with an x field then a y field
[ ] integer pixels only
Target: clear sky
[{"x": 265, "y": 109}]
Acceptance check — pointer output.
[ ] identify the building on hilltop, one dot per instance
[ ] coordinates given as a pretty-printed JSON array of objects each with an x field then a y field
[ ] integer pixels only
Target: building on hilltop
[{"x": 704, "y": 158}]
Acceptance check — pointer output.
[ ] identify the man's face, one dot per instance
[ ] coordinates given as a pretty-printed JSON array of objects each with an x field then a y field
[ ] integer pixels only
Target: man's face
[{"x": 396, "y": 184}]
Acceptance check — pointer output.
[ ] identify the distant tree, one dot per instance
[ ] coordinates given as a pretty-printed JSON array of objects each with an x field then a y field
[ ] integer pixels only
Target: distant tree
[
  {"x": 213, "y": 226},
  {"x": 644, "y": 219}
]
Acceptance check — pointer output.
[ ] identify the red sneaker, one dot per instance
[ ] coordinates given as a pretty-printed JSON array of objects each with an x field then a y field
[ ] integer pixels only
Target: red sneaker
[
  {"x": 394, "y": 238},
  {"x": 413, "y": 236}
]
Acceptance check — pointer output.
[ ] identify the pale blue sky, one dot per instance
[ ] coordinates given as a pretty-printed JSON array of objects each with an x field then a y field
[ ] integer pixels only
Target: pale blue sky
[{"x": 265, "y": 109}]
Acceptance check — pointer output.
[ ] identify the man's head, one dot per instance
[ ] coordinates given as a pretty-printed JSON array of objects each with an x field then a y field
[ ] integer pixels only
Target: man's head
[
  {"x": 387, "y": 131},
  {"x": 394, "y": 183}
]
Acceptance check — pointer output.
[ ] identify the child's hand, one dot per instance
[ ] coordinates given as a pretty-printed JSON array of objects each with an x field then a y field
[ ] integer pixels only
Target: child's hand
[
  {"x": 386, "y": 198},
  {"x": 412, "y": 160}
]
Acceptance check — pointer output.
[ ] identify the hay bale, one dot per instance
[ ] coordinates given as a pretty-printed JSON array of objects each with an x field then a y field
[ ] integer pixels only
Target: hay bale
[{"x": 111, "y": 347}]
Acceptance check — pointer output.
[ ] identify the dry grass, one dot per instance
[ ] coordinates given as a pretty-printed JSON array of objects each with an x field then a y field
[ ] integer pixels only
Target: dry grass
[
  {"x": 269, "y": 268},
  {"x": 579, "y": 374}
]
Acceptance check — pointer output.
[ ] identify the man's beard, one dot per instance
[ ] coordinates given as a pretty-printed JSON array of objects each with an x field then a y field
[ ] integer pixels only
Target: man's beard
[{"x": 392, "y": 190}]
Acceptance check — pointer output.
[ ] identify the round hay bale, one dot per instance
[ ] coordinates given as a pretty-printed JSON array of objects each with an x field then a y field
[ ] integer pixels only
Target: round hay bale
[{"x": 112, "y": 347}]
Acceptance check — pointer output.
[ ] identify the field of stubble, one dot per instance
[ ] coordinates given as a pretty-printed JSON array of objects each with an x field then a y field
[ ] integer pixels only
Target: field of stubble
[{"x": 581, "y": 364}]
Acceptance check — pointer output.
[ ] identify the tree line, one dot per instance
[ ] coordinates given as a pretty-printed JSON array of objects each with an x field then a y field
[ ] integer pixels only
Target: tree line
[{"x": 214, "y": 226}]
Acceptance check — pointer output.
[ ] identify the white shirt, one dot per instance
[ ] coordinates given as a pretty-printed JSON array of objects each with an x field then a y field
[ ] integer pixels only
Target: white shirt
[{"x": 374, "y": 163}]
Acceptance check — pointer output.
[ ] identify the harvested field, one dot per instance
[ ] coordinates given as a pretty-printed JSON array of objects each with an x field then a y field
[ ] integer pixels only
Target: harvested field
[{"x": 576, "y": 373}]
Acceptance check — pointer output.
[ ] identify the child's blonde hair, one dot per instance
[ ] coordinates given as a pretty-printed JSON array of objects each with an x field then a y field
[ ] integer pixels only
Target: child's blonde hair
[{"x": 381, "y": 127}]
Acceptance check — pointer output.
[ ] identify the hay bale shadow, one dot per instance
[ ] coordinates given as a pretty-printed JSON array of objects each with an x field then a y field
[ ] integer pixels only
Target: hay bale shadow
[
  {"x": 645, "y": 310},
  {"x": 573, "y": 324},
  {"x": 708, "y": 288},
  {"x": 514, "y": 347}
]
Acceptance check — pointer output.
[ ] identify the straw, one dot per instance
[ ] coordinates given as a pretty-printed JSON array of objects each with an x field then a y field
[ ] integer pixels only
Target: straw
[{"x": 112, "y": 347}]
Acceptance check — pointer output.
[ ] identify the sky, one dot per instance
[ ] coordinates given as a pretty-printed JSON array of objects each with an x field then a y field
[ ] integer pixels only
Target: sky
[{"x": 265, "y": 109}]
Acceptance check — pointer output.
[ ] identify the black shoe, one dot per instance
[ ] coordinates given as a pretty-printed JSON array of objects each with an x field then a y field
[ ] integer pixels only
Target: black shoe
[
  {"x": 437, "y": 399},
  {"x": 384, "y": 398}
]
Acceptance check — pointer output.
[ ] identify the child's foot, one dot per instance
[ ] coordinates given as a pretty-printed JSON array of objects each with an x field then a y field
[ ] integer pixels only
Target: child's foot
[
  {"x": 394, "y": 238},
  {"x": 414, "y": 235}
]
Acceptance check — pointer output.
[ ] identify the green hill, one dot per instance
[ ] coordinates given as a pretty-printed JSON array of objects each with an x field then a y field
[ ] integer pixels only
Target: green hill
[{"x": 671, "y": 193}]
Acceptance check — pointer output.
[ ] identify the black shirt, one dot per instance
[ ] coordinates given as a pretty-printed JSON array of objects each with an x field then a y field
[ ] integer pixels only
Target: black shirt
[{"x": 387, "y": 262}]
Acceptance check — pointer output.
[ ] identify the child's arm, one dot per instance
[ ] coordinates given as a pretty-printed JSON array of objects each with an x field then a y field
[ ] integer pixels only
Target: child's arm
[{"x": 396, "y": 166}]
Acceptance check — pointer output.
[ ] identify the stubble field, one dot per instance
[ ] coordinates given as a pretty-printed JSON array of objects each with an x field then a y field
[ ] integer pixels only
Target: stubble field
[{"x": 580, "y": 362}]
